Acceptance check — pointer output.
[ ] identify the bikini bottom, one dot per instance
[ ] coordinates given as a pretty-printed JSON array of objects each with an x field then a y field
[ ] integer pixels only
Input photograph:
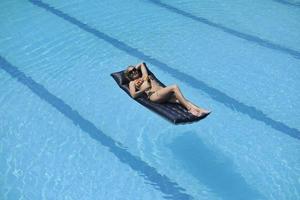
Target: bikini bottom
[{"x": 150, "y": 93}]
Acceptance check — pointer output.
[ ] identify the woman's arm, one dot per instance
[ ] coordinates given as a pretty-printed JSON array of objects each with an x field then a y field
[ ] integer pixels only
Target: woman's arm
[
  {"x": 134, "y": 94},
  {"x": 143, "y": 68}
]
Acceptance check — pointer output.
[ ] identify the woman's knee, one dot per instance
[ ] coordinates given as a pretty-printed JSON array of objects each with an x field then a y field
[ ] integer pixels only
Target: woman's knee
[{"x": 174, "y": 87}]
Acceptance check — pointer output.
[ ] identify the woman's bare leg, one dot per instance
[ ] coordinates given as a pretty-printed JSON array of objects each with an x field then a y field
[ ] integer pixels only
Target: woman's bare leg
[
  {"x": 165, "y": 94},
  {"x": 162, "y": 95},
  {"x": 173, "y": 99},
  {"x": 201, "y": 110}
]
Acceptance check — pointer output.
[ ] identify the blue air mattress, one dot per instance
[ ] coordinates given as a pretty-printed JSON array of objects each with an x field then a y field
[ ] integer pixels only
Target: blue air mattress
[{"x": 173, "y": 112}]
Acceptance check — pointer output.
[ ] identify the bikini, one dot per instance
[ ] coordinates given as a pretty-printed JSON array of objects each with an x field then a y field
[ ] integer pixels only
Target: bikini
[{"x": 148, "y": 91}]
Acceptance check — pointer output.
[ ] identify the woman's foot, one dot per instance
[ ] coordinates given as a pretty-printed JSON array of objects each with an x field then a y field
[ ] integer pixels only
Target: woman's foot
[
  {"x": 194, "y": 112},
  {"x": 204, "y": 112},
  {"x": 200, "y": 111}
]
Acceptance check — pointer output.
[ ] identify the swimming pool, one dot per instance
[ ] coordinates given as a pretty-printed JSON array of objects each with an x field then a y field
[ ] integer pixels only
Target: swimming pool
[{"x": 69, "y": 132}]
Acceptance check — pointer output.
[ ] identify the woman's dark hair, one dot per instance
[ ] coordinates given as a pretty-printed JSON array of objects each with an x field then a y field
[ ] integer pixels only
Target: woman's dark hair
[{"x": 127, "y": 73}]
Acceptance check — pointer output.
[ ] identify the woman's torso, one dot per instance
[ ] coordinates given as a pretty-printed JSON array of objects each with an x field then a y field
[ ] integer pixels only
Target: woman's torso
[{"x": 151, "y": 84}]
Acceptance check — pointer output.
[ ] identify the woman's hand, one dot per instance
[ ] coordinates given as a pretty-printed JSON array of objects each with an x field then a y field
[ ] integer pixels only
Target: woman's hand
[
  {"x": 146, "y": 78},
  {"x": 139, "y": 82}
]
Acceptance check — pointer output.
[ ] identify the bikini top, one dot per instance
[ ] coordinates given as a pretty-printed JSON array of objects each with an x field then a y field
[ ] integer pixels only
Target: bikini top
[{"x": 138, "y": 87}]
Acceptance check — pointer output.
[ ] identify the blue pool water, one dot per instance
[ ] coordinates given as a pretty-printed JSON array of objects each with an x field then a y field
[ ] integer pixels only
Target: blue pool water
[{"x": 68, "y": 132}]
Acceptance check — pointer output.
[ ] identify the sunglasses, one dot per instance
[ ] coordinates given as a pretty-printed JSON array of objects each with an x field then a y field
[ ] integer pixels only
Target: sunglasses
[{"x": 134, "y": 70}]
